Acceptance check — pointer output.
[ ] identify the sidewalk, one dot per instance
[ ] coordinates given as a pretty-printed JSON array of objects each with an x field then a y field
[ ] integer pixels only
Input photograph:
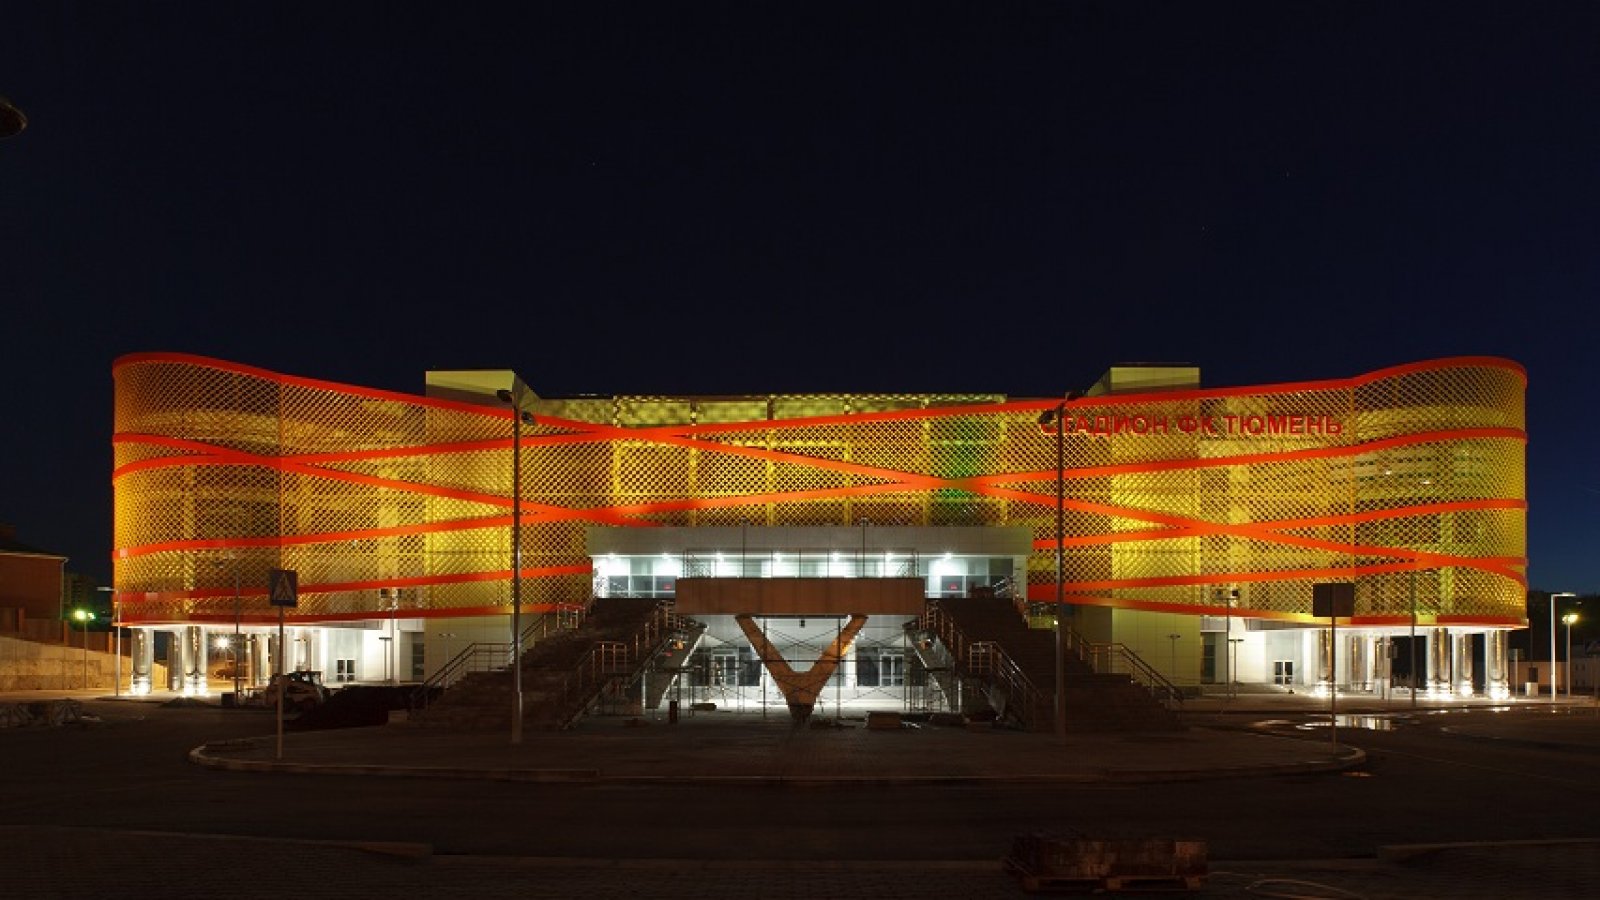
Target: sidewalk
[
  {"x": 1567, "y": 723},
  {"x": 1223, "y": 741},
  {"x": 744, "y": 748},
  {"x": 730, "y": 747}
]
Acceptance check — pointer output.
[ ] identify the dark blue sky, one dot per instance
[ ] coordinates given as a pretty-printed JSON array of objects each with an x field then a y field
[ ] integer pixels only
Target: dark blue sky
[{"x": 725, "y": 198}]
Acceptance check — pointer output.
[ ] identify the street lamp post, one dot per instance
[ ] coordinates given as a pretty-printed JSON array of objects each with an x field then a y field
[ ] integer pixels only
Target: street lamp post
[
  {"x": 1567, "y": 620},
  {"x": 447, "y": 635},
  {"x": 1554, "y": 598},
  {"x": 1227, "y": 598},
  {"x": 390, "y": 597},
  {"x": 233, "y": 649},
  {"x": 1058, "y": 417},
  {"x": 518, "y": 417},
  {"x": 238, "y": 612},
  {"x": 238, "y": 641},
  {"x": 12, "y": 121},
  {"x": 116, "y": 627},
  {"x": 83, "y": 618},
  {"x": 1413, "y": 642}
]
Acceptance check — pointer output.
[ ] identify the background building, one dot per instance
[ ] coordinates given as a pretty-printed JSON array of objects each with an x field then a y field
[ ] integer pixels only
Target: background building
[{"x": 32, "y": 589}]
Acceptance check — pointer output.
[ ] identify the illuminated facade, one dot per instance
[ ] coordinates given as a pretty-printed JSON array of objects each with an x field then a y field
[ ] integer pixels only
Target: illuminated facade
[{"x": 1182, "y": 507}]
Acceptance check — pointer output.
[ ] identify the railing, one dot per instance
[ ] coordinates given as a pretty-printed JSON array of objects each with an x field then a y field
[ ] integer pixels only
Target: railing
[
  {"x": 492, "y": 656},
  {"x": 835, "y": 562},
  {"x": 1118, "y": 658},
  {"x": 989, "y": 661},
  {"x": 936, "y": 621},
  {"x": 609, "y": 661},
  {"x": 1114, "y": 658}
]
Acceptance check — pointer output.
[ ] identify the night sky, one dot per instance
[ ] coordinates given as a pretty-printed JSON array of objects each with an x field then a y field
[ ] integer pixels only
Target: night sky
[{"x": 757, "y": 197}]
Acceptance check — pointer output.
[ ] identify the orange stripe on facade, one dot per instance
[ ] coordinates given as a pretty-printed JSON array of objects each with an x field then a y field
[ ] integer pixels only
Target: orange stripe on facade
[{"x": 990, "y": 485}]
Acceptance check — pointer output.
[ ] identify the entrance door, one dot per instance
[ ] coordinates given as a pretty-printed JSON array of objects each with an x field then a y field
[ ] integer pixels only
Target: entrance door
[
  {"x": 1283, "y": 672},
  {"x": 892, "y": 669}
]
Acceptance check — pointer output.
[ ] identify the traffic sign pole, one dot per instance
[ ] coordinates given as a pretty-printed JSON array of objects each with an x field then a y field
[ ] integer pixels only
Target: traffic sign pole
[{"x": 284, "y": 593}]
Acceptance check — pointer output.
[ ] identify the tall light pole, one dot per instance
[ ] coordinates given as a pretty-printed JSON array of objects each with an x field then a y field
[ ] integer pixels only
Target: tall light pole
[
  {"x": 238, "y": 611},
  {"x": 861, "y": 562},
  {"x": 116, "y": 627},
  {"x": 12, "y": 121},
  {"x": 1567, "y": 620},
  {"x": 1058, "y": 417},
  {"x": 1553, "y": 599},
  {"x": 83, "y": 618},
  {"x": 518, "y": 416},
  {"x": 1413, "y": 641}
]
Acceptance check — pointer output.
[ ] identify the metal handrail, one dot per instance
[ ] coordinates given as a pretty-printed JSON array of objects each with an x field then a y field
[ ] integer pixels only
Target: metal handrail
[
  {"x": 985, "y": 658},
  {"x": 1120, "y": 659},
  {"x": 1114, "y": 658},
  {"x": 490, "y": 656},
  {"x": 608, "y": 660},
  {"x": 989, "y": 658}
]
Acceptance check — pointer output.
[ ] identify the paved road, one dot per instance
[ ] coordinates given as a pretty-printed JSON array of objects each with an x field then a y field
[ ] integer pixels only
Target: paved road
[{"x": 1422, "y": 783}]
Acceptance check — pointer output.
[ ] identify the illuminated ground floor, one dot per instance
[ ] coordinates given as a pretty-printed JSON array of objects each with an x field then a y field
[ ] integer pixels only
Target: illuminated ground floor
[
  {"x": 796, "y": 591},
  {"x": 879, "y": 669}
]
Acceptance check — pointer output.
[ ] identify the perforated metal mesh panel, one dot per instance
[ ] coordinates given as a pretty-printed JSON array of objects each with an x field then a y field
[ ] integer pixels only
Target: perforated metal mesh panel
[{"x": 1408, "y": 481}]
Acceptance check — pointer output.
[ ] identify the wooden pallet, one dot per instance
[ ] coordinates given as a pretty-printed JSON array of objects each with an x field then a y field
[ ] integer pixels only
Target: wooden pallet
[{"x": 1037, "y": 883}]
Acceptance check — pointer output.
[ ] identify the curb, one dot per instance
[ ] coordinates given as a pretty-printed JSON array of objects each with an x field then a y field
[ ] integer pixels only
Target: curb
[
  {"x": 1352, "y": 756},
  {"x": 404, "y": 849},
  {"x": 1532, "y": 743},
  {"x": 1404, "y": 852},
  {"x": 199, "y": 757}
]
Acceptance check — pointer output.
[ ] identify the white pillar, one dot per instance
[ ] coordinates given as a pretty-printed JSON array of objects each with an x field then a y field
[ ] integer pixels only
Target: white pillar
[
  {"x": 1358, "y": 656},
  {"x": 1325, "y": 674},
  {"x": 195, "y": 660},
  {"x": 1497, "y": 677},
  {"x": 1439, "y": 679},
  {"x": 142, "y": 660},
  {"x": 1463, "y": 665}
]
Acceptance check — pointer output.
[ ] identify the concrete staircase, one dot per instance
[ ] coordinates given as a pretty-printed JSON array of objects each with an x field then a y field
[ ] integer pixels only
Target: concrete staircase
[
  {"x": 1095, "y": 701},
  {"x": 565, "y": 674}
]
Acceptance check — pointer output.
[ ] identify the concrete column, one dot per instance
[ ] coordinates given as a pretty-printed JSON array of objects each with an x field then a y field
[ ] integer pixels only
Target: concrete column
[
  {"x": 1497, "y": 680},
  {"x": 1439, "y": 661},
  {"x": 1382, "y": 665},
  {"x": 1463, "y": 669},
  {"x": 1325, "y": 673},
  {"x": 195, "y": 659},
  {"x": 270, "y": 656},
  {"x": 177, "y": 660},
  {"x": 1358, "y": 656},
  {"x": 258, "y": 672},
  {"x": 142, "y": 659}
]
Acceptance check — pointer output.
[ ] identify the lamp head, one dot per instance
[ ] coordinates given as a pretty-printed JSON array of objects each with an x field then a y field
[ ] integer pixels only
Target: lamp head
[{"x": 12, "y": 121}]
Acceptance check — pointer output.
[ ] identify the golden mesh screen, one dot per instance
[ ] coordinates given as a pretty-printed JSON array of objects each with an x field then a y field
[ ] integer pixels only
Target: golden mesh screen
[{"x": 1409, "y": 481}]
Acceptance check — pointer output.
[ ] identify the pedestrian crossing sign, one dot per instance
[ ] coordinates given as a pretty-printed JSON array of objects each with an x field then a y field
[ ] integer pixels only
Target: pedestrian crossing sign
[{"x": 283, "y": 587}]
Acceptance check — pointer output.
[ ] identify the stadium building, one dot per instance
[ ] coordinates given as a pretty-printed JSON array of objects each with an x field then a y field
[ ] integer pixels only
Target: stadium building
[{"x": 824, "y": 549}]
